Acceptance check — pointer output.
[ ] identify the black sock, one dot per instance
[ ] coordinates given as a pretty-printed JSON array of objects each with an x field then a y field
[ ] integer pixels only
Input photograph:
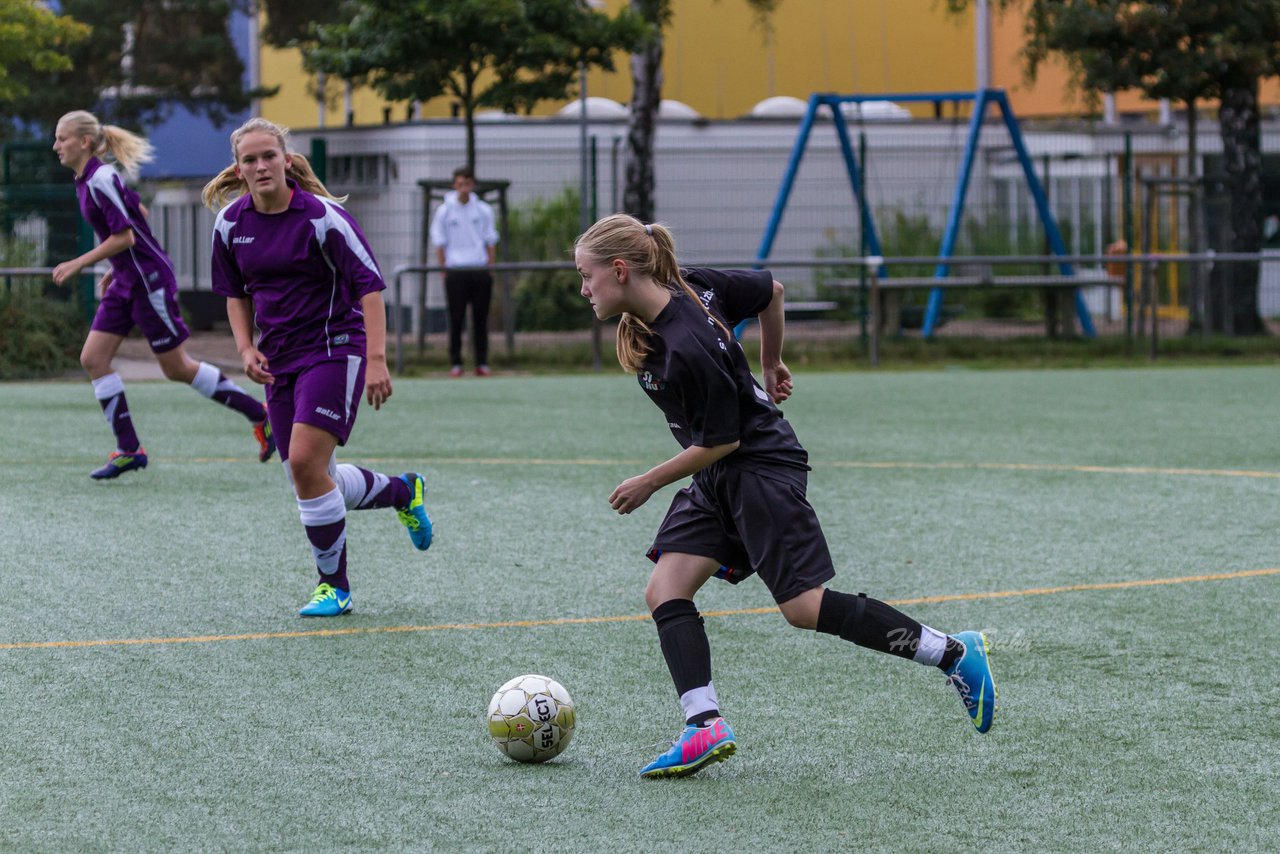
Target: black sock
[
  {"x": 954, "y": 650},
  {"x": 686, "y": 649},
  {"x": 868, "y": 622}
]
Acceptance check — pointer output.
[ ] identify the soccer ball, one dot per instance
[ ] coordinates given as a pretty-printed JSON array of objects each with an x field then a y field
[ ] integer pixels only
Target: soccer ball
[{"x": 531, "y": 718}]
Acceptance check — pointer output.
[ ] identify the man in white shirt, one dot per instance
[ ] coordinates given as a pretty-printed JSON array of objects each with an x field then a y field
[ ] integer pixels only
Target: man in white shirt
[{"x": 466, "y": 243}]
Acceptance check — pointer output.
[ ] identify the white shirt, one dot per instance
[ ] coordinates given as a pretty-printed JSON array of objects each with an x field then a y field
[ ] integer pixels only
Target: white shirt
[{"x": 465, "y": 232}]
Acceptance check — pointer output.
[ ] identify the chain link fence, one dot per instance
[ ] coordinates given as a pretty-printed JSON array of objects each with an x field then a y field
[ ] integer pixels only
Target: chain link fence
[{"x": 1111, "y": 190}]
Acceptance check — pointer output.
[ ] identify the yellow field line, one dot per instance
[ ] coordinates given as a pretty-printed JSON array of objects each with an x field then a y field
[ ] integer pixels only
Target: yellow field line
[
  {"x": 1062, "y": 467},
  {"x": 847, "y": 464},
  {"x": 625, "y": 618}
]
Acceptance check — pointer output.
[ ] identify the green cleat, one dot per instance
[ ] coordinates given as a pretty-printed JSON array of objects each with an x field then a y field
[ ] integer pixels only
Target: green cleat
[
  {"x": 414, "y": 517},
  {"x": 327, "y": 601}
]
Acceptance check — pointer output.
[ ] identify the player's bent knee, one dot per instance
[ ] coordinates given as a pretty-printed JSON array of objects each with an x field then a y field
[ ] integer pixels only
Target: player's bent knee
[
  {"x": 175, "y": 373},
  {"x": 802, "y": 611}
]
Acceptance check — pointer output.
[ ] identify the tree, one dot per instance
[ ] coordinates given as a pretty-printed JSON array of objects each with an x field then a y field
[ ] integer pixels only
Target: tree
[
  {"x": 142, "y": 59},
  {"x": 33, "y": 39},
  {"x": 507, "y": 54},
  {"x": 646, "y": 95},
  {"x": 1184, "y": 50}
]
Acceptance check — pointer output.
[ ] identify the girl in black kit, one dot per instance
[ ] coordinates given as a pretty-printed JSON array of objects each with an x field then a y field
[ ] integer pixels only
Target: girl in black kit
[{"x": 745, "y": 511}]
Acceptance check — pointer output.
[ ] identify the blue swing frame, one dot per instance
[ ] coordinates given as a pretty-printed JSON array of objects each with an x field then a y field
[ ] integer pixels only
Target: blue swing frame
[{"x": 981, "y": 99}]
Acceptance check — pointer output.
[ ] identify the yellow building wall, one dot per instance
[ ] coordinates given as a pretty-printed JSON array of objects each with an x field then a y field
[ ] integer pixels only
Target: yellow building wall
[{"x": 720, "y": 62}]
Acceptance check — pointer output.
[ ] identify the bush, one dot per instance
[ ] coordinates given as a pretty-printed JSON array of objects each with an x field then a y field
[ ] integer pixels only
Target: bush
[
  {"x": 544, "y": 231},
  {"x": 40, "y": 335}
]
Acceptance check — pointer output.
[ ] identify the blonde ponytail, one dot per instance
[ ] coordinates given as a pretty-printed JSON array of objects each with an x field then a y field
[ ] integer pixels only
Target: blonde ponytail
[
  {"x": 227, "y": 186},
  {"x": 650, "y": 250},
  {"x": 111, "y": 143}
]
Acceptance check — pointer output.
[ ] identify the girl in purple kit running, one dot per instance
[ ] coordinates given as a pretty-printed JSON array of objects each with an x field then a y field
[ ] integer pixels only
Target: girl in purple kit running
[
  {"x": 290, "y": 260},
  {"x": 139, "y": 290}
]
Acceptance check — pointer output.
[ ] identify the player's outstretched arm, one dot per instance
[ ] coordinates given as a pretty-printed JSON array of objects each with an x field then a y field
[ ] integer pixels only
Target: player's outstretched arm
[
  {"x": 635, "y": 491},
  {"x": 377, "y": 382},
  {"x": 113, "y": 245},
  {"x": 777, "y": 377}
]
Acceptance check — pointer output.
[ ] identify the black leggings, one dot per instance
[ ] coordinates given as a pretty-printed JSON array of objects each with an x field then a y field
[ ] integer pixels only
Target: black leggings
[{"x": 476, "y": 288}]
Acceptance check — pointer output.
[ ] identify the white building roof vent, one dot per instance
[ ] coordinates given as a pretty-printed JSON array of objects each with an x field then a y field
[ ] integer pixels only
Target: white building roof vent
[
  {"x": 669, "y": 109},
  {"x": 874, "y": 111},
  {"x": 780, "y": 107},
  {"x": 597, "y": 108}
]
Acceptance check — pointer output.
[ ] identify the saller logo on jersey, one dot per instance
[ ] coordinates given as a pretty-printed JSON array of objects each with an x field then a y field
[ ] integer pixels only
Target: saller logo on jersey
[{"x": 242, "y": 240}]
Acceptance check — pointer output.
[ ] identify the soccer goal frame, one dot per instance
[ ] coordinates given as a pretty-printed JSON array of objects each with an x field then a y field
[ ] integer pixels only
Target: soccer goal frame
[{"x": 982, "y": 100}]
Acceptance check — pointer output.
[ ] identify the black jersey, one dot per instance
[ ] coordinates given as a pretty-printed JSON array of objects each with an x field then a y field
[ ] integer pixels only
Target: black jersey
[{"x": 700, "y": 379}]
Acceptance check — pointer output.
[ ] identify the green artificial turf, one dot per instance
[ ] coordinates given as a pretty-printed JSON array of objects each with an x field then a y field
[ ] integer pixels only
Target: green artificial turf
[{"x": 1113, "y": 531}]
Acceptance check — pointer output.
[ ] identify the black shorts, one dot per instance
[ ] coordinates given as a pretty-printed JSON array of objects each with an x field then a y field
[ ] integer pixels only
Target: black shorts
[{"x": 751, "y": 522}]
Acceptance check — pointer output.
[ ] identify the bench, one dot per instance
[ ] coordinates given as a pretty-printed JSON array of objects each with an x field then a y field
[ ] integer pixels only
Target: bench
[
  {"x": 809, "y": 309},
  {"x": 886, "y": 308}
]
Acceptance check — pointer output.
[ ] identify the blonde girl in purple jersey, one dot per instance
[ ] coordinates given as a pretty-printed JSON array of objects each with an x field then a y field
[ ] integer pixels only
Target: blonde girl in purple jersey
[
  {"x": 139, "y": 290},
  {"x": 294, "y": 264}
]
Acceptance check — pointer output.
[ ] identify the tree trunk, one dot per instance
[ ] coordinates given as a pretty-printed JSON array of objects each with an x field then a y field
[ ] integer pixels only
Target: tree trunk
[
  {"x": 1195, "y": 210},
  {"x": 469, "y": 115},
  {"x": 646, "y": 92},
  {"x": 1242, "y": 159}
]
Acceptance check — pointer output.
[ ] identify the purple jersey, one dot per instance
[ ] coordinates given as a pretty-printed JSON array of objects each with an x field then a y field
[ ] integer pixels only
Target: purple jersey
[
  {"x": 305, "y": 269},
  {"x": 110, "y": 207}
]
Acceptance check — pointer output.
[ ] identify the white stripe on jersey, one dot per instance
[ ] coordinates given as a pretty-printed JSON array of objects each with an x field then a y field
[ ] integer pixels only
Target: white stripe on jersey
[
  {"x": 103, "y": 180},
  {"x": 334, "y": 221},
  {"x": 222, "y": 226}
]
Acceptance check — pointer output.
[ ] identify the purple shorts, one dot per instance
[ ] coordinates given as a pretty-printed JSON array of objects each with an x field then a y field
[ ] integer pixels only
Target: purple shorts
[
  {"x": 325, "y": 395},
  {"x": 155, "y": 313}
]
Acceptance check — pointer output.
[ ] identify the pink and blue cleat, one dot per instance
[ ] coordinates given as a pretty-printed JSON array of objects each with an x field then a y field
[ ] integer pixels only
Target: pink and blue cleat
[{"x": 696, "y": 748}]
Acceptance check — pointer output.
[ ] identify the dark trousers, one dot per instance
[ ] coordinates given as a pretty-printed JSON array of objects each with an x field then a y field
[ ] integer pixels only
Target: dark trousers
[{"x": 463, "y": 288}]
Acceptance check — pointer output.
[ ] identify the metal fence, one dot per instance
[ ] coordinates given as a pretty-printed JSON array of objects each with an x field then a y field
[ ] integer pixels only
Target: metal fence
[
  {"x": 716, "y": 185},
  {"x": 1103, "y": 296},
  {"x": 865, "y": 299}
]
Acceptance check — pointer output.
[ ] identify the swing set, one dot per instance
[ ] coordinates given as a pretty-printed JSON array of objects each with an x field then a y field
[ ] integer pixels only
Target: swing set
[{"x": 982, "y": 100}]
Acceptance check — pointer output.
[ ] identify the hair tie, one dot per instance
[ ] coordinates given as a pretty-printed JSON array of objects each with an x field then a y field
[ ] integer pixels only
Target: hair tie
[{"x": 648, "y": 229}]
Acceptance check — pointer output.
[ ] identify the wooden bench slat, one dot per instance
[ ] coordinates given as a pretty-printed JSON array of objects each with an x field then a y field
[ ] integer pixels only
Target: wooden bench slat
[{"x": 903, "y": 282}]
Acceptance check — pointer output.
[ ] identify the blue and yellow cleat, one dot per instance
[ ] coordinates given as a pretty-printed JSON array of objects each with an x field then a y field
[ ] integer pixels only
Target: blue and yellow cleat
[
  {"x": 414, "y": 517},
  {"x": 696, "y": 748},
  {"x": 120, "y": 462},
  {"x": 266, "y": 442},
  {"x": 327, "y": 601},
  {"x": 972, "y": 679}
]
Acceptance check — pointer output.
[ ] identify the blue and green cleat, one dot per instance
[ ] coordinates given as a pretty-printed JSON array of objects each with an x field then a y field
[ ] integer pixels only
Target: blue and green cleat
[
  {"x": 414, "y": 517},
  {"x": 120, "y": 462},
  {"x": 327, "y": 601},
  {"x": 972, "y": 679},
  {"x": 696, "y": 748}
]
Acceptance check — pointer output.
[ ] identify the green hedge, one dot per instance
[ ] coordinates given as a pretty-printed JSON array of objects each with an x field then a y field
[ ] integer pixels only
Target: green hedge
[
  {"x": 39, "y": 336},
  {"x": 545, "y": 230}
]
